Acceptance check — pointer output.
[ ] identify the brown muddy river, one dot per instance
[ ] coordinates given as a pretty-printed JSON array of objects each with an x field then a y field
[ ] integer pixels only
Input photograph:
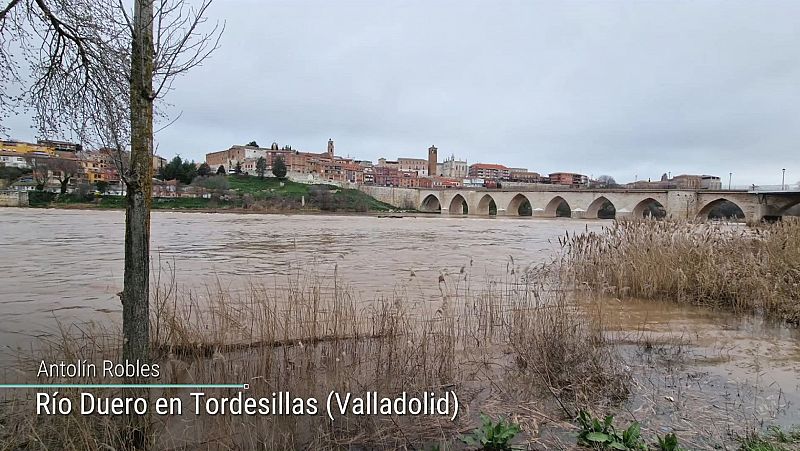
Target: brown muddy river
[{"x": 66, "y": 265}]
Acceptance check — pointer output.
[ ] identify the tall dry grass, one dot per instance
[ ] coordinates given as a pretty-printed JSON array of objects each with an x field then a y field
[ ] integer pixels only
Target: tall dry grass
[
  {"x": 732, "y": 267},
  {"x": 514, "y": 346}
]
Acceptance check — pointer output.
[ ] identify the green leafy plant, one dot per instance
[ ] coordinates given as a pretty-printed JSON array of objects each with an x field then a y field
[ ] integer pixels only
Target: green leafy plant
[
  {"x": 668, "y": 443},
  {"x": 493, "y": 435},
  {"x": 602, "y": 435}
]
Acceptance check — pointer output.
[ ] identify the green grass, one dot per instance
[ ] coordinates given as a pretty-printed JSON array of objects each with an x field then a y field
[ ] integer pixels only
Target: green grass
[
  {"x": 270, "y": 187},
  {"x": 773, "y": 439},
  {"x": 266, "y": 189},
  {"x": 357, "y": 200},
  {"x": 252, "y": 185},
  {"x": 186, "y": 203},
  {"x": 162, "y": 203},
  {"x": 72, "y": 199}
]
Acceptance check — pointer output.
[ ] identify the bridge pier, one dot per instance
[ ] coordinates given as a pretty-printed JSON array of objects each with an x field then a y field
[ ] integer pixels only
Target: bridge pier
[{"x": 578, "y": 214}]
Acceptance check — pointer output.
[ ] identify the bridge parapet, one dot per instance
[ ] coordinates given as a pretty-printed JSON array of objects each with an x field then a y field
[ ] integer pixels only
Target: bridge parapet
[{"x": 586, "y": 203}]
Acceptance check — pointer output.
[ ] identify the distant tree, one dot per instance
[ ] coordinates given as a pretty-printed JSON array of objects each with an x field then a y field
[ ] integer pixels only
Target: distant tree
[
  {"x": 10, "y": 173},
  {"x": 664, "y": 177},
  {"x": 178, "y": 169},
  {"x": 40, "y": 171},
  {"x": 101, "y": 186},
  {"x": 261, "y": 167},
  {"x": 83, "y": 192},
  {"x": 279, "y": 168},
  {"x": 607, "y": 181},
  {"x": 64, "y": 169},
  {"x": 252, "y": 144},
  {"x": 221, "y": 170},
  {"x": 204, "y": 170},
  {"x": 189, "y": 172},
  {"x": 238, "y": 168}
]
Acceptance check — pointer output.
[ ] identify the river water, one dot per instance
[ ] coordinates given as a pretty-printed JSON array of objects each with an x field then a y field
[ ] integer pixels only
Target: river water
[{"x": 66, "y": 265}]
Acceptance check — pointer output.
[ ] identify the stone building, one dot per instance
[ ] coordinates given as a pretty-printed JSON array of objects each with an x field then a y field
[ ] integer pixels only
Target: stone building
[
  {"x": 452, "y": 168},
  {"x": 417, "y": 165}
]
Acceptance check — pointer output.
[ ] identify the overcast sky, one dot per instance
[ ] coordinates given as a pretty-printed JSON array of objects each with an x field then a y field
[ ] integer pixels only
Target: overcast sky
[{"x": 630, "y": 89}]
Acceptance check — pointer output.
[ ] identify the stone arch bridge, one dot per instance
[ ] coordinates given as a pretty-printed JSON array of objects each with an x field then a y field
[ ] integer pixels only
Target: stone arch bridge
[{"x": 586, "y": 203}]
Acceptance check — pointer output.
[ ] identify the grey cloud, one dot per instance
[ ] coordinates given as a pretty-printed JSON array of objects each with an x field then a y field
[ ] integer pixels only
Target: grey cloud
[{"x": 621, "y": 88}]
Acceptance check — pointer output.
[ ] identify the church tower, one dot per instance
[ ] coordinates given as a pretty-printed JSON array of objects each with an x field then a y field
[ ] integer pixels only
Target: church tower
[
  {"x": 432, "y": 161},
  {"x": 330, "y": 148}
]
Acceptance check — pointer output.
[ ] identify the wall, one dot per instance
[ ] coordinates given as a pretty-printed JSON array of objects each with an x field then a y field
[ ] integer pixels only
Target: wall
[
  {"x": 405, "y": 198},
  {"x": 13, "y": 199}
]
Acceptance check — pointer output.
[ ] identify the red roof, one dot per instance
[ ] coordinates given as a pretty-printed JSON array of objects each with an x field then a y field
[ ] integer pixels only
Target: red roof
[{"x": 488, "y": 166}]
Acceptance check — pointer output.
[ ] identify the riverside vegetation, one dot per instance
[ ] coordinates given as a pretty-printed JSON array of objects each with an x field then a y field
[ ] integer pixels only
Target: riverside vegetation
[
  {"x": 526, "y": 349},
  {"x": 235, "y": 193},
  {"x": 747, "y": 270}
]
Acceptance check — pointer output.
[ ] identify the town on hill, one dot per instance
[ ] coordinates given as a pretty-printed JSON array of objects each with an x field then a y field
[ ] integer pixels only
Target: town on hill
[{"x": 63, "y": 167}]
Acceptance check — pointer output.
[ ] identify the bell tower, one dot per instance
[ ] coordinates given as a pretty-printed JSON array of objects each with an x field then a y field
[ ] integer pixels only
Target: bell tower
[
  {"x": 432, "y": 161},
  {"x": 330, "y": 148}
]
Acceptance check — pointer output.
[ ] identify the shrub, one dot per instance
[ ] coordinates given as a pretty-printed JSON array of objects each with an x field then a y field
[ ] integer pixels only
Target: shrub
[{"x": 40, "y": 198}]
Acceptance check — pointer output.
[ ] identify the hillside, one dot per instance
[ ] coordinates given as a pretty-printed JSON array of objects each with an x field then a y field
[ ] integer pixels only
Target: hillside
[{"x": 236, "y": 192}]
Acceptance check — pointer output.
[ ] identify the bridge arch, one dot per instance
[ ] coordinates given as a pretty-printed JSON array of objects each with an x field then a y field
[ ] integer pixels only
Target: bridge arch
[
  {"x": 431, "y": 204},
  {"x": 519, "y": 206},
  {"x": 558, "y": 207},
  {"x": 601, "y": 207},
  {"x": 722, "y": 208},
  {"x": 649, "y": 208},
  {"x": 487, "y": 206},
  {"x": 789, "y": 206},
  {"x": 458, "y": 205}
]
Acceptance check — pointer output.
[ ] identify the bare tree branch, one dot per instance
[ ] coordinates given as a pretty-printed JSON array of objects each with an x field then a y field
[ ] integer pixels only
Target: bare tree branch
[{"x": 8, "y": 8}]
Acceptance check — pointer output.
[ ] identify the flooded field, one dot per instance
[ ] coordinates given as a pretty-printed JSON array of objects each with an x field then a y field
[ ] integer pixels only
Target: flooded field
[{"x": 697, "y": 371}]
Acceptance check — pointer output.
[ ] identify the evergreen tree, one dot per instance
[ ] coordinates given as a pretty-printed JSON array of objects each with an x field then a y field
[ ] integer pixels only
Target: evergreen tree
[
  {"x": 279, "y": 168},
  {"x": 178, "y": 169},
  {"x": 261, "y": 167},
  {"x": 204, "y": 170}
]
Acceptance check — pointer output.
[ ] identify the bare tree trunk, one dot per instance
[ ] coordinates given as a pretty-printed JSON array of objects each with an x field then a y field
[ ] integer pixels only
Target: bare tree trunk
[{"x": 136, "y": 290}]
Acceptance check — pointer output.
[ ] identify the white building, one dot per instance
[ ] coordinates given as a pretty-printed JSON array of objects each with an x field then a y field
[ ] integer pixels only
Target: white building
[
  {"x": 452, "y": 168},
  {"x": 13, "y": 159}
]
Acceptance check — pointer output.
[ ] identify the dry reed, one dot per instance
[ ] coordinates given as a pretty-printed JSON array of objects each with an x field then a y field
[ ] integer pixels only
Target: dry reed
[
  {"x": 732, "y": 267},
  {"x": 503, "y": 348}
]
